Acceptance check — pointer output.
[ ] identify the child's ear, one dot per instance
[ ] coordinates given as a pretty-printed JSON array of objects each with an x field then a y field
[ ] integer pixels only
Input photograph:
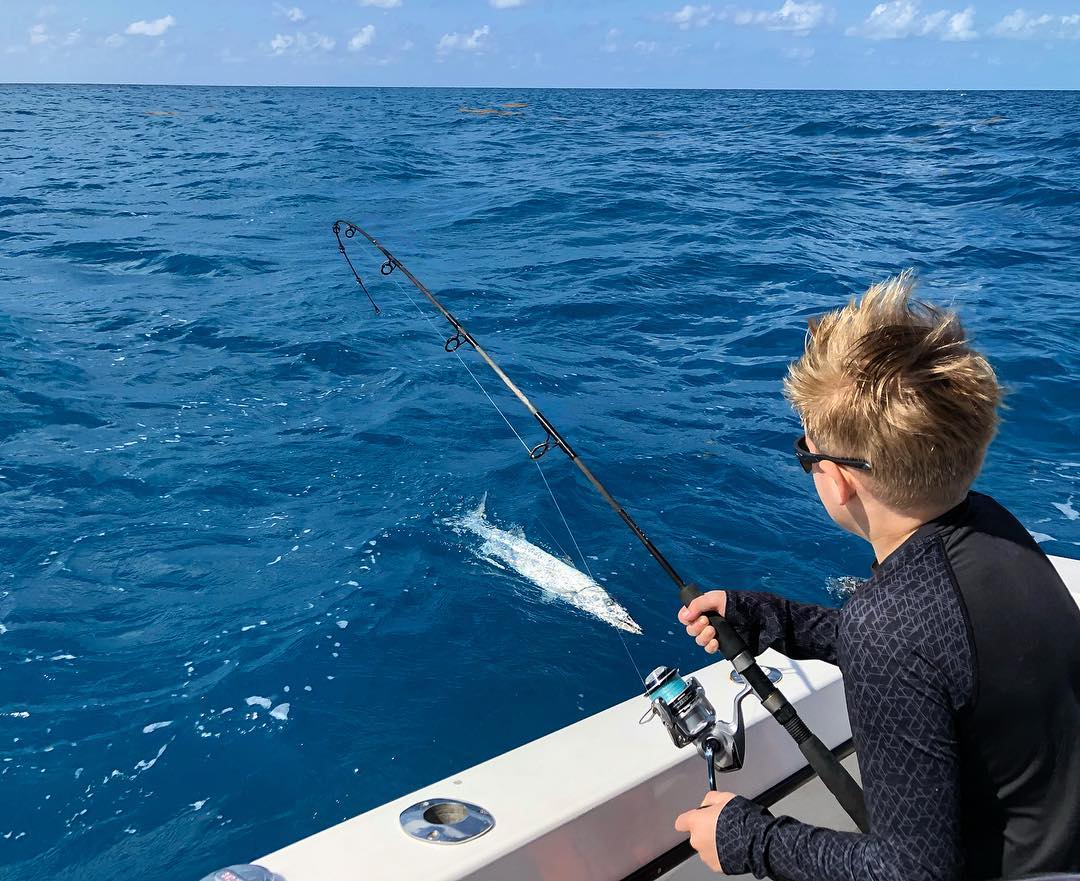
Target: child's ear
[{"x": 842, "y": 486}]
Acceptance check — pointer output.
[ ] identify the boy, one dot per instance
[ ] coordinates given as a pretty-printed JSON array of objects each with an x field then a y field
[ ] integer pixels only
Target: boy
[{"x": 960, "y": 655}]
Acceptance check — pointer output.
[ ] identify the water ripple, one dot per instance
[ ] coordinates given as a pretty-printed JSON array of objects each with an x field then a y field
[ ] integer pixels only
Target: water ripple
[{"x": 214, "y": 454}]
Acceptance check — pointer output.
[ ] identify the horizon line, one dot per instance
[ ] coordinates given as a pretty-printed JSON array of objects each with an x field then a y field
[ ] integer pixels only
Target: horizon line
[{"x": 545, "y": 88}]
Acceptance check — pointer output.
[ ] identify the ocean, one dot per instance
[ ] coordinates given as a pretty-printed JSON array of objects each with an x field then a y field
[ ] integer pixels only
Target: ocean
[{"x": 234, "y": 607}]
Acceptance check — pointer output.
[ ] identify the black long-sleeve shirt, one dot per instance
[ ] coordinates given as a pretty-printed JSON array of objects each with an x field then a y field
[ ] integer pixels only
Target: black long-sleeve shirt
[{"x": 961, "y": 663}]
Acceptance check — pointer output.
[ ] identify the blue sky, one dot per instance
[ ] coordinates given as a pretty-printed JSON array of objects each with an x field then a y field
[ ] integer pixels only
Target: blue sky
[{"x": 520, "y": 43}]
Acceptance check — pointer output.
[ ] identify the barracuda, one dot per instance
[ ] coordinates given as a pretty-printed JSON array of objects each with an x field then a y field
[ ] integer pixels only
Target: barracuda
[{"x": 554, "y": 577}]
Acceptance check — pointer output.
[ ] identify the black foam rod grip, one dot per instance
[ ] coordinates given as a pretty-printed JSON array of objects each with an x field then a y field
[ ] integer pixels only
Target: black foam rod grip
[
  {"x": 731, "y": 644},
  {"x": 836, "y": 779}
]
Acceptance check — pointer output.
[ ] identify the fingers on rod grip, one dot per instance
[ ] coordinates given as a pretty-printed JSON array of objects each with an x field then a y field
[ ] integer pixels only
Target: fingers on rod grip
[{"x": 731, "y": 644}]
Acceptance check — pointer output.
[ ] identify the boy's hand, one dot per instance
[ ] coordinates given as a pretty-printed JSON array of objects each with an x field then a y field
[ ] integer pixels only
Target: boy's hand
[
  {"x": 701, "y": 824},
  {"x": 697, "y": 625}
]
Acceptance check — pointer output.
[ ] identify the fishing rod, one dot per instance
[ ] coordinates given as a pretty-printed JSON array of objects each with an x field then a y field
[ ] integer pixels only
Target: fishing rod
[{"x": 818, "y": 756}]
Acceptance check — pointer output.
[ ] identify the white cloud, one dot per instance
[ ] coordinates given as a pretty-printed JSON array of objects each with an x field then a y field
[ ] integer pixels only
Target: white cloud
[
  {"x": 889, "y": 21},
  {"x": 898, "y": 19},
  {"x": 474, "y": 42},
  {"x": 40, "y": 36},
  {"x": 799, "y": 53},
  {"x": 153, "y": 28},
  {"x": 793, "y": 17},
  {"x": 293, "y": 13},
  {"x": 315, "y": 41},
  {"x": 301, "y": 42},
  {"x": 1021, "y": 25},
  {"x": 362, "y": 38},
  {"x": 382, "y": 4},
  {"x": 961, "y": 26},
  {"x": 611, "y": 41},
  {"x": 114, "y": 41},
  {"x": 693, "y": 16},
  {"x": 506, "y": 4},
  {"x": 645, "y": 47}
]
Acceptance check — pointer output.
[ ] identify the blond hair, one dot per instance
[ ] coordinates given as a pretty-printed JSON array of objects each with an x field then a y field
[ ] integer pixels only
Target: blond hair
[{"x": 893, "y": 381}]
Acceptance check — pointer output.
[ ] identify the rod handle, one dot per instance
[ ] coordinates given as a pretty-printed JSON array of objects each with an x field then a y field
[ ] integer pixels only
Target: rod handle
[
  {"x": 834, "y": 775},
  {"x": 836, "y": 779}
]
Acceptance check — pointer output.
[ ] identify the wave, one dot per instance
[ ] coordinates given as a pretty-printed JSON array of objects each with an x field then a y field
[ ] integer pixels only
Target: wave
[
  {"x": 818, "y": 128},
  {"x": 136, "y": 256},
  {"x": 207, "y": 428}
]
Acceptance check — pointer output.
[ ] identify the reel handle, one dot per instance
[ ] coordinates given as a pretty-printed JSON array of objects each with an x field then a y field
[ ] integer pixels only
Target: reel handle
[{"x": 709, "y": 751}]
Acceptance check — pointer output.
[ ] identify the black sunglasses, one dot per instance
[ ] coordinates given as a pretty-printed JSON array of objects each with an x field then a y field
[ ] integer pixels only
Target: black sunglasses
[{"x": 808, "y": 459}]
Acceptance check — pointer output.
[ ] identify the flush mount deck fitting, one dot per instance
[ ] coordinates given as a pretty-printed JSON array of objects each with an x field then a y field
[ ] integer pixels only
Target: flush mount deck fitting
[
  {"x": 445, "y": 821},
  {"x": 773, "y": 674}
]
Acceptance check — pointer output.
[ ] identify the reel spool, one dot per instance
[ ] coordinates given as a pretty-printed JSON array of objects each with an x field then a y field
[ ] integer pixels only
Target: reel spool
[
  {"x": 681, "y": 704},
  {"x": 690, "y": 718}
]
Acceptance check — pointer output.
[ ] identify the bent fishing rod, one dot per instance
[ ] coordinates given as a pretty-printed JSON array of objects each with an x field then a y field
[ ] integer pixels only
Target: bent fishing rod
[{"x": 823, "y": 762}]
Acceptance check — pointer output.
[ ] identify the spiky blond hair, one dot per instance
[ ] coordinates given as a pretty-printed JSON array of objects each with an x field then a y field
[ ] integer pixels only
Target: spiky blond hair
[{"x": 893, "y": 381}]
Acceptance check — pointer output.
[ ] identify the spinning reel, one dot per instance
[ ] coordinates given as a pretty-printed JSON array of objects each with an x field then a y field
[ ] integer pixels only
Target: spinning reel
[{"x": 690, "y": 718}]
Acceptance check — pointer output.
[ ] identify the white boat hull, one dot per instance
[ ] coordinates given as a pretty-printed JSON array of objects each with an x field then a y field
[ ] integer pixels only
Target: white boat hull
[{"x": 594, "y": 801}]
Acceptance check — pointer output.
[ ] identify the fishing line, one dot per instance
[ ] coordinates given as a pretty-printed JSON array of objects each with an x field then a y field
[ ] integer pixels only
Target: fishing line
[
  {"x": 733, "y": 647},
  {"x": 555, "y": 542},
  {"x": 535, "y": 462}
]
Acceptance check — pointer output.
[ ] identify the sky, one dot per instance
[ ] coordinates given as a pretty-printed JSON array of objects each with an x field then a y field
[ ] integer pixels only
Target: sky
[{"x": 899, "y": 44}]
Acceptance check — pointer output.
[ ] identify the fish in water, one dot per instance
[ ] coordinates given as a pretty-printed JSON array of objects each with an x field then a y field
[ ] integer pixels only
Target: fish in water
[
  {"x": 549, "y": 573},
  {"x": 485, "y": 111}
]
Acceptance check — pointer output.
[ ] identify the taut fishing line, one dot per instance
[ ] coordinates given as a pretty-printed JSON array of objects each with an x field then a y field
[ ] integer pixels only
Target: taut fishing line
[
  {"x": 687, "y": 701},
  {"x": 535, "y": 461}
]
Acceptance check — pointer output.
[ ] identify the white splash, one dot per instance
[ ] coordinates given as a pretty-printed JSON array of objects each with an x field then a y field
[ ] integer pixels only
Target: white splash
[
  {"x": 146, "y": 765},
  {"x": 257, "y": 701},
  {"x": 841, "y": 587},
  {"x": 281, "y": 711},
  {"x": 1067, "y": 509},
  {"x": 550, "y": 574},
  {"x": 154, "y": 726}
]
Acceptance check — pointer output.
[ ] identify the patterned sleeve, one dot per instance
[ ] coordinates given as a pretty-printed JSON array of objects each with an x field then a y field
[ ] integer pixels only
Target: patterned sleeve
[
  {"x": 798, "y": 630},
  {"x": 902, "y": 706}
]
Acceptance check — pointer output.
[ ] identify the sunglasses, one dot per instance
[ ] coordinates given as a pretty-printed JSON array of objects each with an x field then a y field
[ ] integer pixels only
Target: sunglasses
[{"x": 808, "y": 459}]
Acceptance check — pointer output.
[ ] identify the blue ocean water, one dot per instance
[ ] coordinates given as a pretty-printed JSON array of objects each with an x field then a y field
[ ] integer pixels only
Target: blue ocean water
[{"x": 226, "y": 485}]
